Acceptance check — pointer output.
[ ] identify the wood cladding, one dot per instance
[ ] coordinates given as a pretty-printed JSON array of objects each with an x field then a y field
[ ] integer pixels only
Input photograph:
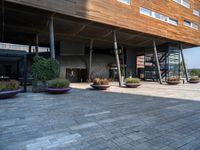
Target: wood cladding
[{"x": 113, "y": 12}]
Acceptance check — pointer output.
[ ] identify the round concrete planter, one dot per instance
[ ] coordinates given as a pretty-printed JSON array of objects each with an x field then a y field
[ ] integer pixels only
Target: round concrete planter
[
  {"x": 132, "y": 85},
  {"x": 100, "y": 87},
  {"x": 9, "y": 94},
  {"x": 58, "y": 90},
  {"x": 194, "y": 81},
  {"x": 173, "y": 82}
]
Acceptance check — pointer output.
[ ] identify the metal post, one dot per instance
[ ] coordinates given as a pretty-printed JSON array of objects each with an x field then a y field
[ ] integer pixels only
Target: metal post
[
  {"x": 117, "y": 58},
  {"x": 51, "y": 31},
  {"x": 90, "y": 60},
  {"x": 157, "y": 61},
  {"x": 37, "y": 44},
  {"x": 184, "y": 65},
  {"x": 25, "y": 73}
]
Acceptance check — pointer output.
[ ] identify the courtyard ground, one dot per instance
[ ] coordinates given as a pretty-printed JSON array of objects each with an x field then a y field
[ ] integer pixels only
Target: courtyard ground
[{"x": 151, "y": 117}]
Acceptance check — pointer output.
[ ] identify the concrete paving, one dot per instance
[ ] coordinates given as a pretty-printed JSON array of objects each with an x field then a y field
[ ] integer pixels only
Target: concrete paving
[
  {"x": 182, "y": 91},
  {"x": 154, "y": 116}
]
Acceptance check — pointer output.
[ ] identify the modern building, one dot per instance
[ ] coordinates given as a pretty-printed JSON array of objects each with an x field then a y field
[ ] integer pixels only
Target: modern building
[{"x": 105, "y": 38}]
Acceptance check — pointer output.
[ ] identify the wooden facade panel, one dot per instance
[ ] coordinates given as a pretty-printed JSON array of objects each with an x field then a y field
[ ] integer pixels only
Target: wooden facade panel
[
  {"x": 59, "y": 6},
  {"x": 115, "y": 13}
]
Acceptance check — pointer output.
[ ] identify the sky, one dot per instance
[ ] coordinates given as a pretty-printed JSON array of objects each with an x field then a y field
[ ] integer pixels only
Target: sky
[{"x": 192, "y": 57}]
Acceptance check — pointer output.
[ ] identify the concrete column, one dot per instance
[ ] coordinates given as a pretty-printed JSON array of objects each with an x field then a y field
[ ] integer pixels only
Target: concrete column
[
  {"x": 157, "y": 61},
  {"x": 29, "y": 48},
  {"x": 52, "y": 42},
  {"x": 37, "y": 44},
  {"x": 90, "y": 60},
  {"x": 117, "y": 58},
  {"x": 184, "y": 65}
]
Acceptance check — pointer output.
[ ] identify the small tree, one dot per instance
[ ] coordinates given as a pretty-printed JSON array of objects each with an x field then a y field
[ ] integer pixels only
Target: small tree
[
  {"x": 195, "y": 72},
  {"x": 45, "y": 69}
]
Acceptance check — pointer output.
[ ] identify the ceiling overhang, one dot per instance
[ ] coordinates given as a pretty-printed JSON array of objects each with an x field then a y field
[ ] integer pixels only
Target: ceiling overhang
[{"x": 22, "y": 23}]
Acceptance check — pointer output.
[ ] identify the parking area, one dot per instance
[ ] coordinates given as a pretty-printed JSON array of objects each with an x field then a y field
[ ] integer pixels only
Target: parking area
[{"x": 150, "y": 117}]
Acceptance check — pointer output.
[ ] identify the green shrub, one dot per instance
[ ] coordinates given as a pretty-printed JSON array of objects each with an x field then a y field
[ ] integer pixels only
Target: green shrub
[
  {"x": 9, "y": 85},
  {"x": 195, "y": 72},
  {"x": 98, "y": 81},
  {"x": 53, "y": 69},
  {"x": 58, "y": 83},
  {"x": 45, "y": 69},
  {"x": 173, "y": 79},
  {"x": 132, "y": 80},
  {"x": 194, "y": 79}
]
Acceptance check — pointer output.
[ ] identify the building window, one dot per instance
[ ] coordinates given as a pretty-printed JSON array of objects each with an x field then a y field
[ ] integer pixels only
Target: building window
[
  {"x": 145, "y": 11},
  {"x": 173, "y": 21},
  {"x": 191, "y": 24},
  {"x": 184, "y": 3},
  {"x": 158, "y": 16},
  {"x": 125, "y": 1},
  {"x": 196, "y": 12},
  {"x": 161, "y": 17}
]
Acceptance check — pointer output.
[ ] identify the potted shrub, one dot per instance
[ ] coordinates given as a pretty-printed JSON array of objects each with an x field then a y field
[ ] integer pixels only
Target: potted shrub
[
  {"x": 132, "y": 82},
  {"x": 100, "y": 84},
  {"x": 173, "y": 80},
  {"x": 9, "y": 88},
  {"x": 43, "y": 70},
  {"x": 58, "y": 86},
  {"x": 194, "y": 80}
]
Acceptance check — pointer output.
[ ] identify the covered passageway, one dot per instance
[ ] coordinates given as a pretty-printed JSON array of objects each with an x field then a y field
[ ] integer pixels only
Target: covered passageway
[{"x": 25, "y": 25}]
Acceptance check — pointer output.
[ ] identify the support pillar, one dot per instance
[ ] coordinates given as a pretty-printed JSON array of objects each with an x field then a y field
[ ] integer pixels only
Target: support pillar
[
  {"x": 157, "y": 61},
  {"x": 29, "y": 48},
  {"x": 117, "y": 58},
  {"x": 25, "y": 73},
  {"x": 184, "y": 65},
  {"x": 52, "y": 42},
  {"x": 90, "y": 60},
  {"x": 37, "y": 44}
]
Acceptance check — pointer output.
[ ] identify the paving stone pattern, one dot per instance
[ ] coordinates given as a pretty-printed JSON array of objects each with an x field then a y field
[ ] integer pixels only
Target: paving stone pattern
[{"x": 98, "y": 120}]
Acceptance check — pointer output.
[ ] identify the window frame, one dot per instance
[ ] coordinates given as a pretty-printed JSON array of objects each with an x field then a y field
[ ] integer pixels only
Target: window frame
[
  {"x": 158, "y": 16},
  {"x": 191, "y": 24},
  {"x": 125, "y": 2},
  {"x": 196, "y": 12},
  {"x": 184, "y": 3}
]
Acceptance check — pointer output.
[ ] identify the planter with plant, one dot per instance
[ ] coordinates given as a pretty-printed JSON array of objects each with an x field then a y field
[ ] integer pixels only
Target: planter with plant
[
  {"x": 173, "y": 80},
  {"x": 58, "y": 86},
  {"x": 100, "y": 84},
  {"x": 132, "y": 82},
  {"x": 9, "y": 88},
  {"x": 43, "y": 70},
  {"x": 194, "y": 80}
]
